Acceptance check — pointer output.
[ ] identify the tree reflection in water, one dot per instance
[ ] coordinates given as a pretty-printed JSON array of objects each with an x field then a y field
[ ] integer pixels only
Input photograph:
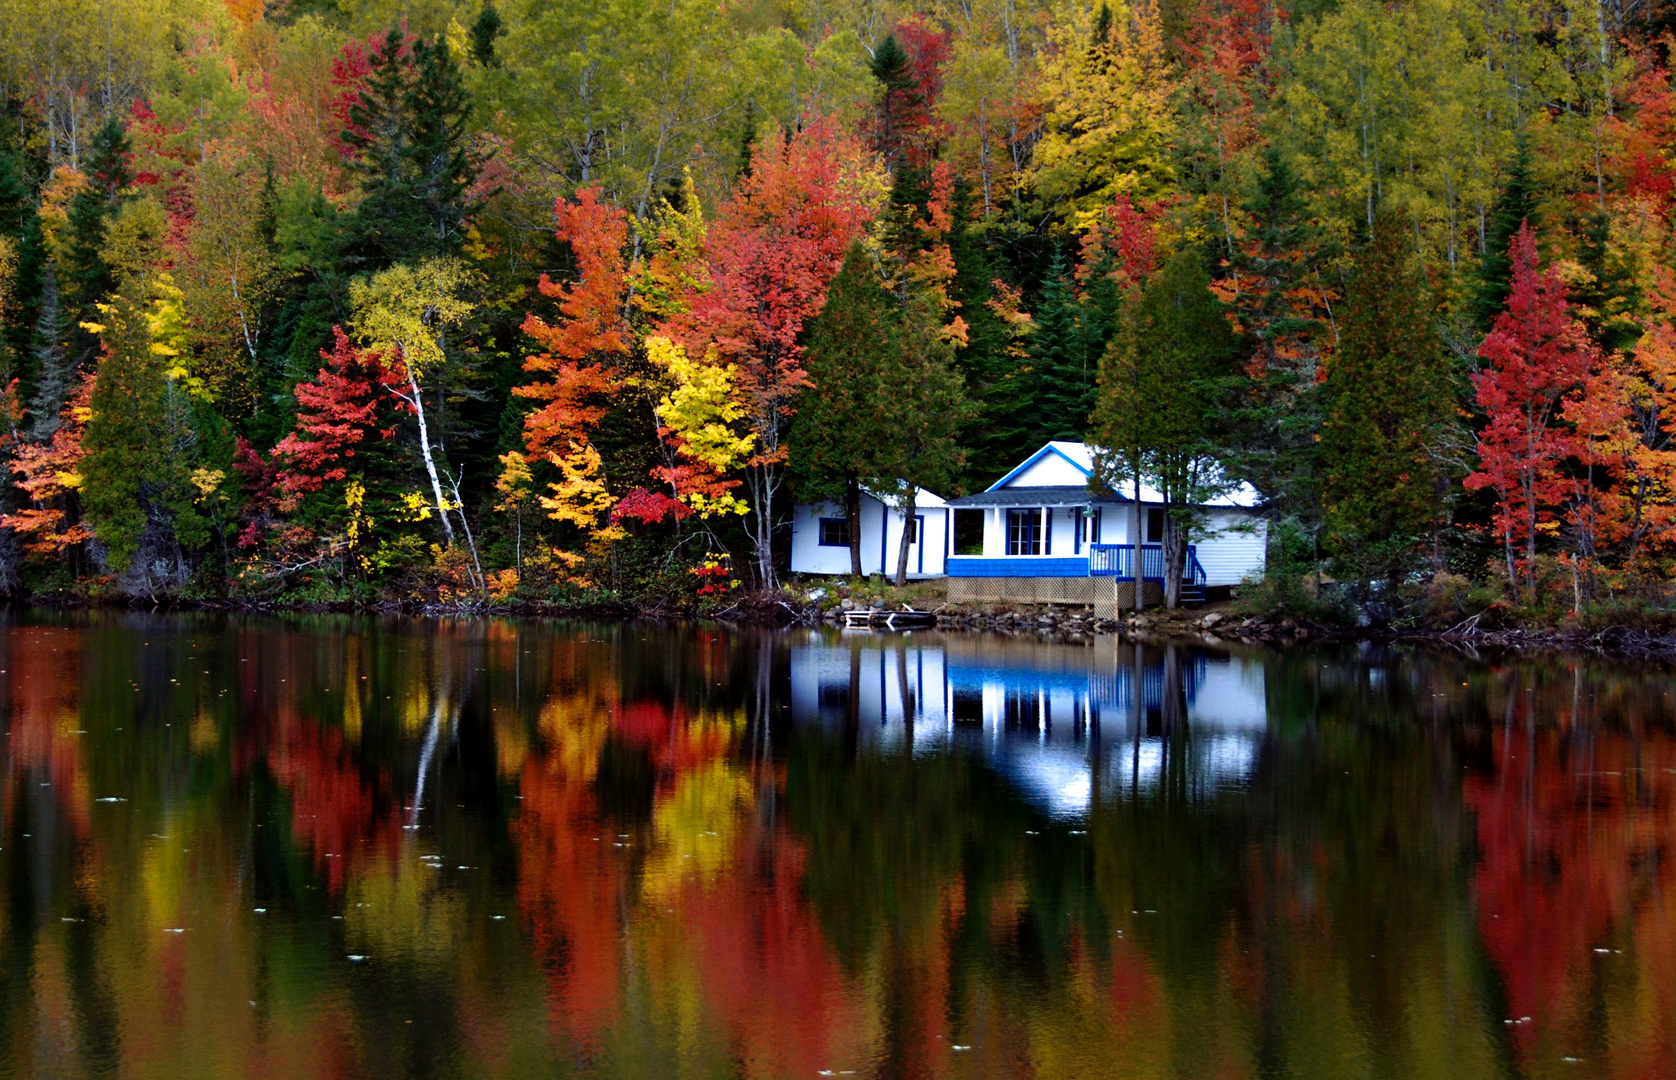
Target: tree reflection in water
[{"x": 322, "y": 846}]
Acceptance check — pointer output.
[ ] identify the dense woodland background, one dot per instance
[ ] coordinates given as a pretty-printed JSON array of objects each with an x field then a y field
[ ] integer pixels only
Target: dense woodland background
[{"x": 352, "y": 300}]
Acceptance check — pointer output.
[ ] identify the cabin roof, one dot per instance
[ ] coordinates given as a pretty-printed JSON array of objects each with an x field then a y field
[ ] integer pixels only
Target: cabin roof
[
  {"x": 1067, "y": 495},
  {"x": 1081, "y": 457}
]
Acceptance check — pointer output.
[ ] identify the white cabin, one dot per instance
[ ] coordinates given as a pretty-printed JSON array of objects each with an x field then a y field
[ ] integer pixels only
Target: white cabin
[{"x": 820, "y": 542}]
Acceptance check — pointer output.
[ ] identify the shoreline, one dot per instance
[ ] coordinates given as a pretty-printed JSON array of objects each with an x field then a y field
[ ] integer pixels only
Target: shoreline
[{"x": 1218, "y": 624}]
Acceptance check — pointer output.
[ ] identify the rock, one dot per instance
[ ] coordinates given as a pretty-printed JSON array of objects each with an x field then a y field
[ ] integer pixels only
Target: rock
[
  {"x": 816, "y": 595},
  {"x": 1211, "y": 620},
  {"x": 846, "y": 604}
]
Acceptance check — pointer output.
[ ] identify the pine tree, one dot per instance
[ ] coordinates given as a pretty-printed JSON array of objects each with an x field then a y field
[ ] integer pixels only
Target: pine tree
[
  {"x": 1388, "y": 395},
  {"x": 1515, "y": 206},
  {"x": 1064, "y": 362}
]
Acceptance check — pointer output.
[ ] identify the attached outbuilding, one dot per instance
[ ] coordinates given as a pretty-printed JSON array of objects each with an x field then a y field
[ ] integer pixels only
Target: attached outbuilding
[{"x": 820, "y": 537}]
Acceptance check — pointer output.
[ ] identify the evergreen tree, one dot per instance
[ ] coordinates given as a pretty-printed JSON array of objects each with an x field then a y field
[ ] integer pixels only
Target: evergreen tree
[
  {"x": 485, "y": 29},
  {"x": 1275, "y": 419},
  {"x": 412, "y": 155},
  {"x": 999, "y": 433},
  {"x": 54, "y": 362},
  {"x": 441, "y": 159},
  {"x": 1064, "y": 363},
  {"x": 841, "y": 426},
  {"x": 923, "y": 405},
  {"x": 137, "y": 484},
  {"x": 86, "y": 280},
  {"x": 1388, "y": 394},
  {"x": 1515, "y": 205},
  {"x": 1160, "y": 381}
]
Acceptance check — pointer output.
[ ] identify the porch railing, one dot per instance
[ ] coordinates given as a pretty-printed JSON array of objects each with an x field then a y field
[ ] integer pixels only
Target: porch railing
[{"x": 1118, "y": 560}]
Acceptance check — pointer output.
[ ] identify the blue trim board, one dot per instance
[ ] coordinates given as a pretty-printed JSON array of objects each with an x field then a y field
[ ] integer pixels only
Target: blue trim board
[
  {"x": 1016, "y": 566},
  {"x": 1031, "y": 460}
]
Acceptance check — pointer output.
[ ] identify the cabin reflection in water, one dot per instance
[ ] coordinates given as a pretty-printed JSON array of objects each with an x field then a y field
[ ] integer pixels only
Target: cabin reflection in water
[{"x": 1053, "y": 718}]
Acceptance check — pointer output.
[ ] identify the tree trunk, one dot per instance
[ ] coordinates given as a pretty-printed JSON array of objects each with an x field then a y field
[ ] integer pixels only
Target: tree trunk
[
  {"x": 852, "y": 522},
  {"x": 418, "y": 402},
  {"x": 909, "y": 505},
  {"x": 1135, "y": 540},
  {"x": 1175, "y": 558}
]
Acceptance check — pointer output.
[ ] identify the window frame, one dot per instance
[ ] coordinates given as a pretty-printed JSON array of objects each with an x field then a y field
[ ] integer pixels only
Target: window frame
[
  {"x": 821, "y": 527},
  {"x": 1024, "y": 524}
]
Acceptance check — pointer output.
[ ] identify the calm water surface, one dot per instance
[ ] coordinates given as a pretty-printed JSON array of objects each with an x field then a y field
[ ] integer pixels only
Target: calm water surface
[{"x": 324, "y": 847}]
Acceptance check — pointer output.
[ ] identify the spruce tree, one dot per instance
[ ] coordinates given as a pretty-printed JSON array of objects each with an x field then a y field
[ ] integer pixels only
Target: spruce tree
[
  {"x": 1515, "y": 205},
  {"x": 54, "y": 362},
  {"x": 412, "y": 155},
  {"x": 386, "y": 225},
  {"x": 1274, "y": 420},
  {"x": 999, "y": 433},
  {"x": 442, "y": 161},
  {"x": 485, "y": 29},
  {"x": 840, "y": 429},
  {"x": 1388, "y": 394},
  {"x": 86, "y": 280},
  {"x": 1064, "y": 364}
]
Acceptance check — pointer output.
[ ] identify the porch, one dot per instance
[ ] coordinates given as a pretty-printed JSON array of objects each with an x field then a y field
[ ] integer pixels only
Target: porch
[{"x": 1103, "y": 578}]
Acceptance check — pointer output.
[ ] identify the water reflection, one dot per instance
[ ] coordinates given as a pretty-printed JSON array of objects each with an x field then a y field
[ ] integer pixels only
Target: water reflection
[
  {"x": 1059, "y": 722},
  {"x": 323, "y": 847}
]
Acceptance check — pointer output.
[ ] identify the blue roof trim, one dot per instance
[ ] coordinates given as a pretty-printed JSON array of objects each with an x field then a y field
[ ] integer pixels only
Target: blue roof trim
[{"x": 1031, "y": 460}]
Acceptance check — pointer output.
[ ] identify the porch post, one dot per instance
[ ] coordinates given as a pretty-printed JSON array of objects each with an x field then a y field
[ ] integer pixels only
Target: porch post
[{"x": 1047, "y": 542}]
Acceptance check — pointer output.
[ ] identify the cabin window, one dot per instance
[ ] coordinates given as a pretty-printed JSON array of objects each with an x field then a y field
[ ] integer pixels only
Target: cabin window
[
  {"x": 968, "y": 532},
  {"x": 1155, "y": 526},
  {"x": 1024, "y": 532},
  {"x": 835, "y": 532}
]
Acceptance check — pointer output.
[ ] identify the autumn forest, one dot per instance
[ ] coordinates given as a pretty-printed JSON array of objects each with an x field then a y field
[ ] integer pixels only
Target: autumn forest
[{"x": 357, "y": 300}]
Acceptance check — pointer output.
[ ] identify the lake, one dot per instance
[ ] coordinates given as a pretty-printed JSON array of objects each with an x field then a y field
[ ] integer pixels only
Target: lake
[{"x": 336, "y": 847}]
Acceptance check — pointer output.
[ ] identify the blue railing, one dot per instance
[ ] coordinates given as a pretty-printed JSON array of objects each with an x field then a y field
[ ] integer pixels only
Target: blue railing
[{"x": 1118, "y": 560}]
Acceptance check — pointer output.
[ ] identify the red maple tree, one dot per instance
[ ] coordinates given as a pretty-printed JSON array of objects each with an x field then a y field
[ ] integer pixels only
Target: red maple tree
[
  {"x": 776, "y": 245},
  {"x": 1536, "y": 354},
  {"x": 339, "y": 410}
]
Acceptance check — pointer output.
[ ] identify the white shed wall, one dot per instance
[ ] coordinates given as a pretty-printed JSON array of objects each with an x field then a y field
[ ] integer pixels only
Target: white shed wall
[{"x": 1230, "y": 555}]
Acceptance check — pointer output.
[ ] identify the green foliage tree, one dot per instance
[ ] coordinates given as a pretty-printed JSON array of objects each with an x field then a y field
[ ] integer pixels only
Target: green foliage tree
[
  {"x": 412, "y": 155},
  {"x": 1513, "y": 207},
  {"x": 840, "y": 429},
  {"x": 1156, "y": 419},
  {"x": 925, "y": 406},
  {"x": 140, "y": 487},
  {"x": 1064, "y": 356},
  {"x": 87, "y": 277},
  {"x": 1388, "y": 394}
]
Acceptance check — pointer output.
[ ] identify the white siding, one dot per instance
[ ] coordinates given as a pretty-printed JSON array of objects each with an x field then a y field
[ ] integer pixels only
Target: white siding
[
  {"x": 1051, "y": 471},
  {"x": 809, "y": 557},
  {"x": 1231, "y": 554}
]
